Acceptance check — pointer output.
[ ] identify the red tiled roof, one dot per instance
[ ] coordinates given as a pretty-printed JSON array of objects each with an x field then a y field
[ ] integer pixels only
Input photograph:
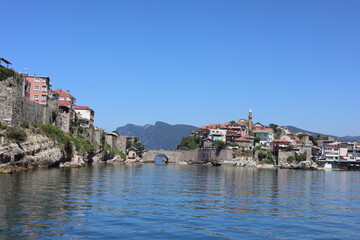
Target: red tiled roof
[
  {"x": 242, "y": 140},
  {"x": 281, "y": 141},
  {"x": 62, "y": 93},
  {"x": 81, "y": 108},
  {"x": 233, "y": 134},
  {"x": 249, "y": 137},
  {"x": 64, "y": 103}
]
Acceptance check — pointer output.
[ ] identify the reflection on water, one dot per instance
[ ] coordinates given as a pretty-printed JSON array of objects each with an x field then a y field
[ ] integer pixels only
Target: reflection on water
[{"x": 174, "y": 201}]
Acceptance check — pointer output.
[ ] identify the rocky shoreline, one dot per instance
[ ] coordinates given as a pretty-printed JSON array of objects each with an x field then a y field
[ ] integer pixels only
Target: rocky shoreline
[{"x": 39, "y": 151}]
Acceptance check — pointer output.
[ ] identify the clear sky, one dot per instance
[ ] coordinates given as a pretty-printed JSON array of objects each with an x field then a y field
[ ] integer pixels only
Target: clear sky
[{"x": 195, "y": 62}]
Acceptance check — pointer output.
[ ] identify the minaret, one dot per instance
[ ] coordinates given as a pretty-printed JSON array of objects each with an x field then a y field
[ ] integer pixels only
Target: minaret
[{"x": 250, "y": 122}]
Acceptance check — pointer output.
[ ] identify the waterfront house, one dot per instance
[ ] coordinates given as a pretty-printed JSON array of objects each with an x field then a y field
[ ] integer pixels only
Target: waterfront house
[
  {"x": 244, "y": 142},
  {"x": 331, "y": 157},
  {"x": 266, "y": 135},
  {"x": 132, "y": 152},
  {"x": 280, "y": 144}
]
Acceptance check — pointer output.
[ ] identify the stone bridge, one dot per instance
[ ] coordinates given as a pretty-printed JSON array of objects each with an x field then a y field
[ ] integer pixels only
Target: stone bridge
[{"x": 199, "y": 156}]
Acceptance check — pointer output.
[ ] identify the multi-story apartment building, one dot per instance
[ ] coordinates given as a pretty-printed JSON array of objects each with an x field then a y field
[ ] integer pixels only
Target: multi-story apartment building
[{"x": 39, "y": 91}]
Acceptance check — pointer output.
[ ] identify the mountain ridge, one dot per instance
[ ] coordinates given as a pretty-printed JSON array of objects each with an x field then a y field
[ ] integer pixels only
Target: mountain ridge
[
  {"x": 161, "y": 135},
  {"x": 344, "y": 138}
]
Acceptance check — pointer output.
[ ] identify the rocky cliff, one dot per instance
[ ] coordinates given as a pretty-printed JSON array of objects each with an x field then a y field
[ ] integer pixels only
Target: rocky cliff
[{"x": 36, "y": 151}]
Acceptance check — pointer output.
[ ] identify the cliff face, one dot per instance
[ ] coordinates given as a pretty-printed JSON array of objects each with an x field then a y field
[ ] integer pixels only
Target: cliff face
[{"x": 36, "y": 151}]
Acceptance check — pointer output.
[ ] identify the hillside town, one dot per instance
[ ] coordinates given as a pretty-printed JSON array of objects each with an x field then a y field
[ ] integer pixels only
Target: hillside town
[
  {"x": 246, "y": 135},
  {"x": 29, "y": 99}
]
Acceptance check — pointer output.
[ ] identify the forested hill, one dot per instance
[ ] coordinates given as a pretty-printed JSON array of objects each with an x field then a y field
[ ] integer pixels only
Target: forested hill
[{"x": 344, "y": 138}]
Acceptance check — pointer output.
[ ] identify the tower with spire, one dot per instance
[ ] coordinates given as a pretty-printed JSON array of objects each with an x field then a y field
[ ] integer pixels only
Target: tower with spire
[{"x": 250, "y": 122}]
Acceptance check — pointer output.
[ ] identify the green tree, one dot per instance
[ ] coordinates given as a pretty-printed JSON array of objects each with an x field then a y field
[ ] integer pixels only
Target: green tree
[
  {"x": 219, "y": 144},
  {"x": 257, "y": 140},
  {"x": 300, "y": 157},
  {"x": 290, "y": 158},
  {"x": 262, "y": 156},
  {"x": 273, "y": 126},
  {"x": 188, "y": 143},
  {"x": 232, "y": 122},
  {"x": 289, "y": 148}
]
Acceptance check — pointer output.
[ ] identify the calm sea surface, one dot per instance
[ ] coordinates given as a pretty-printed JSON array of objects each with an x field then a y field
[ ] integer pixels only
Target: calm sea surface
[{"x": 179, "y": 202}]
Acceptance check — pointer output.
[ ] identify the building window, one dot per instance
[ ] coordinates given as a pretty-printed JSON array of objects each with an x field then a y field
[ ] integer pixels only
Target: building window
[
  {"x": 43, "y": 98},
  {"x": 36, "y": 97},
  {"x": 44, "y": 80},
  {"x": 61, "y": 98},
  {"x": 44, "y": 89},
  {"x": 36, "y": 88},
  {"x": 37, "y": 79},
  {"x": 68, "y": 99}
]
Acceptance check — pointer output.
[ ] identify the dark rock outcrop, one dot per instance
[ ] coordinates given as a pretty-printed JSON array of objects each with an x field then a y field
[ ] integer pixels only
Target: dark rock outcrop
[{"x": 36, "y": 151}]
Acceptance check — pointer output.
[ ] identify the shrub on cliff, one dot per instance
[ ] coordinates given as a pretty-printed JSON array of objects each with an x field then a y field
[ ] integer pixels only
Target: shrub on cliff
[
  {"x": 24, "y": 124},
  {"x": 2, "y": 126},
  {"x": 6, "y": 73},
  {"x": 219, "y": 144},
  {"x": 17, "y": 134},
  {"x": 54, "y": 133},
  {"x": 83, "y": 145}
]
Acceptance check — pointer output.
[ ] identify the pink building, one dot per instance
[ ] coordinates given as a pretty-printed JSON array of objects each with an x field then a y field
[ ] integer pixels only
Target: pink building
[{"x": 39, "y": 88}]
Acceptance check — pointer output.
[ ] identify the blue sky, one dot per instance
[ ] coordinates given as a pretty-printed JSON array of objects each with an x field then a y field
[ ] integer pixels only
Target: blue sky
[{"x": 195, "y": 62}]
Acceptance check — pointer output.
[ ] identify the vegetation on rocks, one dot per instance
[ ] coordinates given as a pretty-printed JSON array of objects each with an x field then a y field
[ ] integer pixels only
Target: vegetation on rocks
[
  {"x": 16, "y": 134},
  {"x": 6, "y": 73},
  {"x": 107, "y": 150},
  {"x": 135, "y": 143},
  {"x": 56, "y": 134},
  {"x": 300, "y": 157},
  {"x": 2, "y": 126},
  {"x": 66, "y": 141},
  {"x": 219, "y": 144},
  {"x": 189, "y": 143},
  {"x": 266, "y": 158}
]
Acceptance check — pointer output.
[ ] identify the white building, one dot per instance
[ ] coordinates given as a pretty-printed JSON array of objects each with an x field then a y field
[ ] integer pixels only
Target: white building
[
  {"x": 265, "y": 134},
  {"x": 85, "y": 113},
  {"x": 217, "y": 134}
]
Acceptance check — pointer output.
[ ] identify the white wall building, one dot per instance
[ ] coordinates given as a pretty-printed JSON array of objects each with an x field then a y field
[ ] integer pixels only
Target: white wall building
[{"x": 85, "y": 113}]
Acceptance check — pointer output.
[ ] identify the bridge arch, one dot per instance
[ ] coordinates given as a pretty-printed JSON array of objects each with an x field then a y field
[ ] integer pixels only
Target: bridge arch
[
  {"x": 171, "y": 156},
  {"x": 161, "y": 159}
]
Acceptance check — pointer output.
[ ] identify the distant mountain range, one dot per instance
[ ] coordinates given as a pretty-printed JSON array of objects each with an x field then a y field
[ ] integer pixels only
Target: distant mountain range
[
  {"x": 165, "y": 136},
  {"x": 158, "y": 136},
  {"x": 344, "y": 139}
]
